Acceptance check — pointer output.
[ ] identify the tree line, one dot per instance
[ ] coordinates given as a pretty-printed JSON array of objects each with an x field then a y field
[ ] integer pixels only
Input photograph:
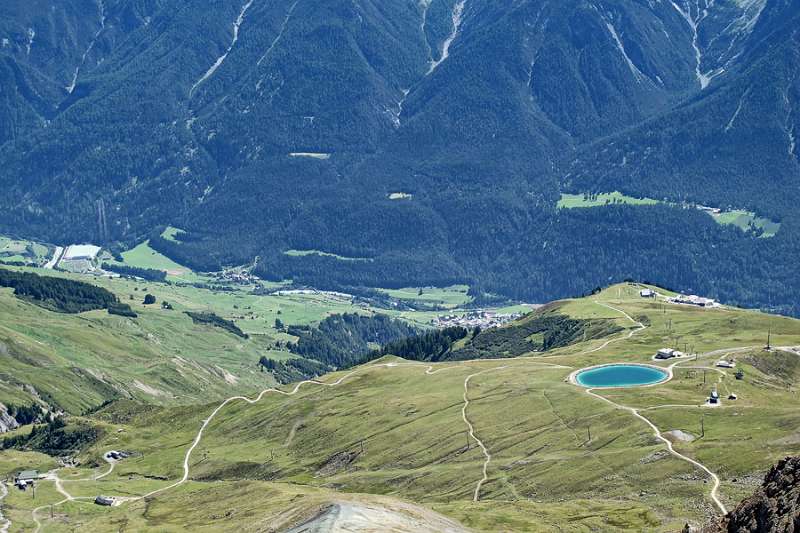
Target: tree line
[{"x": 57, "y": 294}]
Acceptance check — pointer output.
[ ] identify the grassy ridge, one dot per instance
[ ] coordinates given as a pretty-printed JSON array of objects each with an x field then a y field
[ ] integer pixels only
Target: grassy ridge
[{"x": 560, "y": 458}]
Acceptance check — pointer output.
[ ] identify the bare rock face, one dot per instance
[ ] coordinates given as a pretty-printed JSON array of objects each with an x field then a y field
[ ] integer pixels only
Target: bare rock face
[
  {"x": 7, "y": 422},
  {"x": 774, "y": 508}
]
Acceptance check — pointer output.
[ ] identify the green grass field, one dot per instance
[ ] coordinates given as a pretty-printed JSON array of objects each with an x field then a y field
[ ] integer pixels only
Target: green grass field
[
  {"x": 392, "y": 431},
  {"x": 452, "y": 297},
  {"x": 14, "y": 250},
  {"x": 303, "y": 253},
  {"x": 170, "y": 232},
  {"x": 143, "y": 256},
  {"x": 739, "y": 218},
  {"x": 161, "y": 356},
  {"x": 572, "y": 201},
  {"x": 744, "y": 219}
]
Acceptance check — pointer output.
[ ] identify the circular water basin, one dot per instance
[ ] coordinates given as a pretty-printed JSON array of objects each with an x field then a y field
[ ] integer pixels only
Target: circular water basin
[{"x": 621, "y": 375}]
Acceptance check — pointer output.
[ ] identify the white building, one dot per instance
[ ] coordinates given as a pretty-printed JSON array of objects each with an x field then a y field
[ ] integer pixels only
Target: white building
[
  {"x": 665, "y": 353},
  {"x": 647, "y": 293},
  {"x": 81, "y": 251}
]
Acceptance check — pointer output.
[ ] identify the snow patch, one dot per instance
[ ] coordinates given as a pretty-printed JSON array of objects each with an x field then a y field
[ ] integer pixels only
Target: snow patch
[{"x": 221, "y": 59}]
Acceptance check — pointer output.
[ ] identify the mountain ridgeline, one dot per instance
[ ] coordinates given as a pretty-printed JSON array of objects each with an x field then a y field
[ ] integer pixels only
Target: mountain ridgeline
[{"x": 429, "y": 141}]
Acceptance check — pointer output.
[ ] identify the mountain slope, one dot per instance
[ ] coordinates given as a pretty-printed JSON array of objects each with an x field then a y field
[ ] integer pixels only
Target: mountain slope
[
  {"x": 432, "y": 138},
  {"x": 509, "y": 444}
]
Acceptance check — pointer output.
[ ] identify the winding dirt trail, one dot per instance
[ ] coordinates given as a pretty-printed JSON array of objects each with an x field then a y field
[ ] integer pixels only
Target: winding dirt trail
[
  {"x": 471, "y": 428},
  {"x": 630, "y": 334},
  {"x": 429, "y": 370},
  {"x": 657, "y": 432}
]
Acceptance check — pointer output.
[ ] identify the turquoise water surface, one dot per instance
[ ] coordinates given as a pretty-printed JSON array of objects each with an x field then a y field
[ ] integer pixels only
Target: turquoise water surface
[{"x": 621, "y": 376}]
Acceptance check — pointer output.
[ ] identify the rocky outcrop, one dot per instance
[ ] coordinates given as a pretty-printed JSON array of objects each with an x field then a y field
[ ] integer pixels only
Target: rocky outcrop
[
  {"x": 7, "y": 422},
  {"x": 774, "y": 508}
]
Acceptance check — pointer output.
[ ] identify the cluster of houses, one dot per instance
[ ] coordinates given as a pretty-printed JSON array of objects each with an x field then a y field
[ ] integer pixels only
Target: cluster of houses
[
  {"x": 682, "y": 299},
  {"x": 236, "y": 276},
  {"x": 475, "y": 319},
  {"x": 692, "y": 299}
]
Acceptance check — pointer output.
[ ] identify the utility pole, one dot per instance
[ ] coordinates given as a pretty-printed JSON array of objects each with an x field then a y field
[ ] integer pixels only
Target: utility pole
[
  {"x": 704, "y": 376},
  {"x": 769, "y": 334},
  {"x": 467, "y": 434},
  {"x": 589, "y": 432},
  {"x": 703, "y": 426}
]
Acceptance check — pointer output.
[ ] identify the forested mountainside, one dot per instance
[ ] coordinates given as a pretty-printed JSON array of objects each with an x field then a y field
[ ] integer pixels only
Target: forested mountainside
[{"x": 428, "y": 140}]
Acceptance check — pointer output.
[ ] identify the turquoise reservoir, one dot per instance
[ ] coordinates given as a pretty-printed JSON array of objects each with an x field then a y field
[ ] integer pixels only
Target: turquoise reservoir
[{"x": 621, "y": 376}]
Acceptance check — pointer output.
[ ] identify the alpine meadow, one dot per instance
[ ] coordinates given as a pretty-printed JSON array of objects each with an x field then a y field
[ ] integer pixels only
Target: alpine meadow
[{"x": 316, "y": 266}]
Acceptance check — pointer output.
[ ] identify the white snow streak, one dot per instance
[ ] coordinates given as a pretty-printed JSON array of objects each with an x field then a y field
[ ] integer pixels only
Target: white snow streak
[
  {"x": 633, "y": 68},
  {"x": 425, "y": 5},
  {"x": 738, "y": 110},
  {"x": 694, "y": 22},
  {"x": 396, "y": 116},
  {"x": 102, "y": 8},
  {"x": 458, "y": 11},
  {"x": 280, "y": 33},
  {"x": 31, "y": 35},
  {"x": 751, "y": 12},
  {"x": 236, "y": 25},
  {"x": 789, "y": 126}
]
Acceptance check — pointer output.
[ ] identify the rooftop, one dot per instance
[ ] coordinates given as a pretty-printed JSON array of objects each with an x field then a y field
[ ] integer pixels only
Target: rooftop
[
  {"x": 28, "y": 474},
  {"x": 77, "y": 251}
]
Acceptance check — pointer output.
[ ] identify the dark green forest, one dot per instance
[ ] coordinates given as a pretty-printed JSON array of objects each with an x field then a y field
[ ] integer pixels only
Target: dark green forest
[
  {"x": 540, "y": 331},
  {"x": 57, "y": 294},
  {"x": 342, "y": 341},
  {"x": 212, "y": 319}
]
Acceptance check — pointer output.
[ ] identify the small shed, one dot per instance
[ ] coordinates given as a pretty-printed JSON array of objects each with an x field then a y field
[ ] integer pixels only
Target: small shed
[
  {"x": 647, "y": 293},
  {"x": 104, "y": 500},
  {"x": 665, "y": 353}
]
